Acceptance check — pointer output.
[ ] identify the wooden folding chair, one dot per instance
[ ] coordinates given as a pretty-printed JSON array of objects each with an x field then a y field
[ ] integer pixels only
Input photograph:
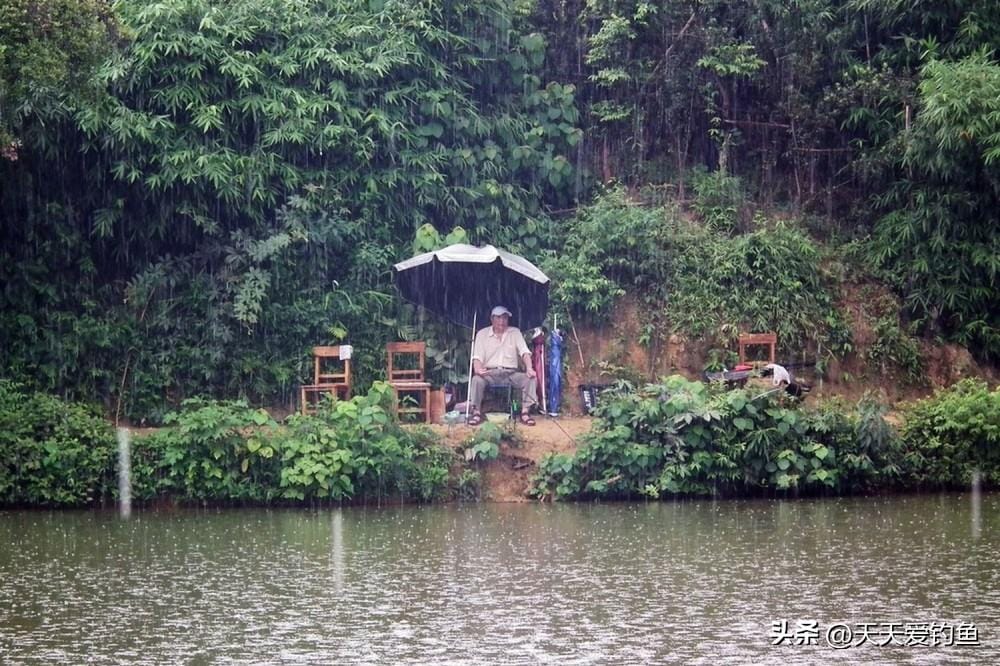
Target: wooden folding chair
[
  {"x": 405, "y": 371},
  {"x": 331, "y": 376}
]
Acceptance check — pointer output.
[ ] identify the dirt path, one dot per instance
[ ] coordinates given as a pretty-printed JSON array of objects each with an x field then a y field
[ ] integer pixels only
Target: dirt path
[{"x": 506, "y": 479}]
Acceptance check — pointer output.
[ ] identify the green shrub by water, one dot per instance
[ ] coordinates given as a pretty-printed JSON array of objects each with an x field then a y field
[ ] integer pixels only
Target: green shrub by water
[
  {"x": 683, "y": 438},
  {"x": 350, "y": 450},
  {"x": 674, "y": 438},
  {"x": 946, "y": 438},
  {"x": 52, "y": 452},
  {"x": 687, "y": 438},
  {"x": 211, "y": 450},
  {"x": 58, "y": 453}
]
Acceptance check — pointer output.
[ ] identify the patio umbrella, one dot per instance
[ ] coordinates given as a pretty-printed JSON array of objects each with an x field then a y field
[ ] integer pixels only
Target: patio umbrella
[{"x": 462, "y": 283}]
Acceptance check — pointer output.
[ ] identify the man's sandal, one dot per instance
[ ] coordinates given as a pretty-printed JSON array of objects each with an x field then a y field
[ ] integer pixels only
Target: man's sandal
[
  {"x": 527, "y": 420},
  {"x": 475, "y": 419}
]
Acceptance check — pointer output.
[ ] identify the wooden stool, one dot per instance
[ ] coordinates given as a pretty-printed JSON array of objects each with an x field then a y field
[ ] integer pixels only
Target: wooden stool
[
  {"x": 312, "y": 395},
  {"x": 405, "y": 371},
  {"x": 769, "y": 340}
]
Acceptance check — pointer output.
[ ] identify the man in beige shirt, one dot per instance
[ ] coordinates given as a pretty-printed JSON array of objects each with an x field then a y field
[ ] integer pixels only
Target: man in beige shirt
[{"x": 497, "y": 353}]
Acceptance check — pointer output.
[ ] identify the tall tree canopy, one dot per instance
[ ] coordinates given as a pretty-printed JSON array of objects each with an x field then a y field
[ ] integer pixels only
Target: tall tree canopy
[{"x": 49, "y": 50}]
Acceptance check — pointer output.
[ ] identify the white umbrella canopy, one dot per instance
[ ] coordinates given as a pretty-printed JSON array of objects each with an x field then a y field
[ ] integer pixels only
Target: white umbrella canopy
[{"x": 464, "y": 282}]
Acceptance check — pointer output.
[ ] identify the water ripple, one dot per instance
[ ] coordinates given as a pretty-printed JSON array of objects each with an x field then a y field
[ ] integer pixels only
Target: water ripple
[{"x": 695, "y": 582}]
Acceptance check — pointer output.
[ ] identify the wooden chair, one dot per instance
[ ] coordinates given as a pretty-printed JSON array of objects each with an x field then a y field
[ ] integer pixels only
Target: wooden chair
[
  {"x": 331, "y": 376},
  {"x": 770, "y": 340},
  {"x": 405, "y": 369}
]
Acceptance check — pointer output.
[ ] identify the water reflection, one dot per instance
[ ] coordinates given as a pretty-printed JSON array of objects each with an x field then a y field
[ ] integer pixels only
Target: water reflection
[
  {"x": 976, "y": 497},
  {"x": 337, "y": 550},
  {"x": 124, "y": 473},
  {"x": 694, "y": 582}
]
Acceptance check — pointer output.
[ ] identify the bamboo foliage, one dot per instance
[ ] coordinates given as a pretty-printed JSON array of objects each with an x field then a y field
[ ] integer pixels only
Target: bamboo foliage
[
  {"x": 938, "y": 240},
  {"x": 251, "y": 175},
  {"x": 244, "y": 103}
]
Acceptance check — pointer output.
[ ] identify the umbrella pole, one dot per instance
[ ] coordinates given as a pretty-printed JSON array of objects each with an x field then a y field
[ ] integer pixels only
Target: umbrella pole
[{"x": 472, "y": 345}]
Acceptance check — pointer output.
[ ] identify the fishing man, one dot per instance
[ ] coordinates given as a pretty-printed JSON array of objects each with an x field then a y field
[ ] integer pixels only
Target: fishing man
[{"x": 497, "y": 353}]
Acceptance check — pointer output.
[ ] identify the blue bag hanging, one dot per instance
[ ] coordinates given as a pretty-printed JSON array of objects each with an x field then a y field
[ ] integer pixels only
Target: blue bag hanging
[{"x": 554, "y": 384}]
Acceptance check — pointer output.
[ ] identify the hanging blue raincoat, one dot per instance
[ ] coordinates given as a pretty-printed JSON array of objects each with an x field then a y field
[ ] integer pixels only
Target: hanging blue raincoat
[{"x": 554, "y": 383}]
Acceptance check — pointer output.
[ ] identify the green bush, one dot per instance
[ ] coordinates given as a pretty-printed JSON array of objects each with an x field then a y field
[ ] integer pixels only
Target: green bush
[
  {"x": 953, "y": 434},
  {"x": 484, "y": 444},
  {"x": 607, "y": 250},
  {"x": 350, "y": 449},
  {"x": 686, "y": 438},
  {"x": 767, "y": 280},
  {"x": 52, "y": 452},
  {"x": 580, "y": 286},
  {"x": 430, "y": 475},
  {"x": 893, "y": 347},
  {"x": 468, "y": 486},
  {"x": 718, "y": 198},
  {"x": 211, "y": 450}
]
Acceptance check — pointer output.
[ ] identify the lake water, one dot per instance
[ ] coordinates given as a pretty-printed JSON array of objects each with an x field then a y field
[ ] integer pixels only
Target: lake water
[{"x": 691, "y": 582}]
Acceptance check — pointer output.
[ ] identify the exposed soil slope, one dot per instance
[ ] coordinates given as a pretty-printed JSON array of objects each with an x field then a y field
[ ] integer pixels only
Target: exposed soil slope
[{"x": 506, "y": 479}]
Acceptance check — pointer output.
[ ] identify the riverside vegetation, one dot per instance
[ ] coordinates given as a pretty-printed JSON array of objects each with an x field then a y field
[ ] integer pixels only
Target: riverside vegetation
[
  {"x": 57, "y": 453},
  {"x": 674, "y": 439},
  {"x": 683, "y": 438}
]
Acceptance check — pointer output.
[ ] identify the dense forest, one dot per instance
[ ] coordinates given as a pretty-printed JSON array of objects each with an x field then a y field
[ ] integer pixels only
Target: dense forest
[{"x": 195, "y": 192}]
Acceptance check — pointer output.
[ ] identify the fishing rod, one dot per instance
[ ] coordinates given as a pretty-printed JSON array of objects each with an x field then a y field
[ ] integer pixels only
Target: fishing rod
[{"x": 797, "y": 364}]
